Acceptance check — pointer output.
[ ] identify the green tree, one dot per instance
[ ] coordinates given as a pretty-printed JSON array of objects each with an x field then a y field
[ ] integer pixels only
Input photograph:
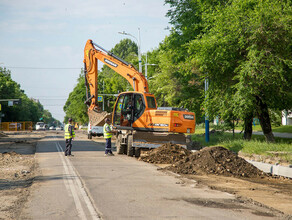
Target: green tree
[
  {"x": 27, "y": 110},
  {"x": 246, "y": 54},
  {"x": 74, "y": 107},
  {"x": 111, "y": 82}
]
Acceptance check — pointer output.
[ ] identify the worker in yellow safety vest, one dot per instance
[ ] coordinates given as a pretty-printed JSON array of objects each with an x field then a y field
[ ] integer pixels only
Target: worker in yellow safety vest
[
  {"x": 108, "y": 133},
  {"x": 69, "y": 136}
]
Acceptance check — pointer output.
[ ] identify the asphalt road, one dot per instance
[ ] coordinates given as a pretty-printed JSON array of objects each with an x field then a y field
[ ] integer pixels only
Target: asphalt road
[{"x": 92, "y": 186}]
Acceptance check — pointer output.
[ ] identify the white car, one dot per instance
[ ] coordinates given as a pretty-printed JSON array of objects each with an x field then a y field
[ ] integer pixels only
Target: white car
[
  {"x": 52, "y": 128},
  {"x": 40, "y": 126},
  {"x": 94, "y": 131},
  {"x": 59, "y": 128}
]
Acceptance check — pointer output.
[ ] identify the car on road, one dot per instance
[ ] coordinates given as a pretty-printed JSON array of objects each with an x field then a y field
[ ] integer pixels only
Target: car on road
[
  {"x": 52, "y": 128},
  {"x": 40, "y": 126},
  {"x": 94, "y": 131},
  {"x": 59, "y": 128},
  {"x": 83, "y": 127}
]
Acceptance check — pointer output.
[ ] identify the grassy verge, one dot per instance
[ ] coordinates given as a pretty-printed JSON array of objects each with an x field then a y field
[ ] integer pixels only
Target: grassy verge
[
  {"x": 281, "y": 149},
  {"x": 284, "y": 129},
  {"x": 280, "y": 129}
]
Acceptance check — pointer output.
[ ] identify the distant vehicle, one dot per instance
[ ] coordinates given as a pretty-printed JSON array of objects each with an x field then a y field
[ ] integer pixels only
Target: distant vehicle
[
  {"x": 52, "y": 128},
  {"x": 83, "y": 127},
  {"x": 59, "y": 128},
  {"x": 40, "y": 126},
  {"x": 94, "y": 131}
]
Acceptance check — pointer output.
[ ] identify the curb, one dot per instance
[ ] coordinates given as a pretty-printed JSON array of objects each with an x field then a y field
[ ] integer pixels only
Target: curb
[
  {"x": 273, "y": 169},
  {"x": 269, "y": 168}
]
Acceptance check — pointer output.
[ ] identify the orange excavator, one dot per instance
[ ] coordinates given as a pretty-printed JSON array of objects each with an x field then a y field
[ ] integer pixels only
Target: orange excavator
[{"x": 140, "y": 124}]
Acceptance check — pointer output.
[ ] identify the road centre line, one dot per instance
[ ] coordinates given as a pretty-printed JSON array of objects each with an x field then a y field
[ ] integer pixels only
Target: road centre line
[{"x": 78, "y": 186}]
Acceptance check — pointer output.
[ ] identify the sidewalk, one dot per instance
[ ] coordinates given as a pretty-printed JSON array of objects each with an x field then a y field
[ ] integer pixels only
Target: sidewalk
[{"x": 276, "y": 134}]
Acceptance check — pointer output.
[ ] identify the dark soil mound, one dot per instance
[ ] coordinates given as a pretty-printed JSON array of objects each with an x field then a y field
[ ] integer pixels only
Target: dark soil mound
[
  {"x": 2, "y": 134},
  {"x": 11, "y": 153},
  {"x": 165, "y": 154},
  {"x": 215, "y": 160}
]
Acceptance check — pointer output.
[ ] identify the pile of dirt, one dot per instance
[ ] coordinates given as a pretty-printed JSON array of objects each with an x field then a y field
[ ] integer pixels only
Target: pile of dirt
[
  {"x": 16, "y": 176},
  {"x": 9, "y": 157},
  {"x": 8, "y": 154},
  {"x": 215, "y": 160},
  {"x": 165, "y": 154},
  {"x": 2, "y": 134}
]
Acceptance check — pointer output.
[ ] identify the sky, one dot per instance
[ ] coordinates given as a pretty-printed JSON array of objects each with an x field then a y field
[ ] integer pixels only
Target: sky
[{"x": 42, "y": 42}]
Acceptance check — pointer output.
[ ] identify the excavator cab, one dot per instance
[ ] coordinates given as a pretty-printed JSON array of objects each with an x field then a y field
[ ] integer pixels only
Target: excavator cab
[{"x": 129, "y": 108}]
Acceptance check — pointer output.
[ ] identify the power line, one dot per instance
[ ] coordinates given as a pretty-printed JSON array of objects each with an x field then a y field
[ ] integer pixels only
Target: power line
[
  {"x": 52, "y": 98},
  {"x": 44, "y": 68},
  {"x": 52, "y": 105},
  {"x": 46, "y": 96}
]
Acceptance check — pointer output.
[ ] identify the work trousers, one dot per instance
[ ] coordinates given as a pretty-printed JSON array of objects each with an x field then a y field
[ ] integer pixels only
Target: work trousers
[
  {"x": 108, "y": 146},
  {"x": 68, "y": 146}
]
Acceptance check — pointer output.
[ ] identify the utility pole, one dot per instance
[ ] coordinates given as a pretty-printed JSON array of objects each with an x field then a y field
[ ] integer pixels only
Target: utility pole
[
  {"x": 103, "y": 97},
  {"x": 206, "y": 113},
  {"x": 146, "y": 66},
  {"x": 139, "y": 46},
  {"x": 139, "y": 52}
]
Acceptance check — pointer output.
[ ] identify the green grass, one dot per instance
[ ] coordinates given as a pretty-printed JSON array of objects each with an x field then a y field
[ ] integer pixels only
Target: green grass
[
  {"x": 200, "y": 130},
  {"x": 282, "y": 148},
  {"x": 281, "y": 129}
]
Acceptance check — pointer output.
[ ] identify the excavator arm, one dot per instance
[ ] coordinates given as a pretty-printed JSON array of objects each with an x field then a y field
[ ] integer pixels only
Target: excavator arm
[{"x": 93, "y": 53}]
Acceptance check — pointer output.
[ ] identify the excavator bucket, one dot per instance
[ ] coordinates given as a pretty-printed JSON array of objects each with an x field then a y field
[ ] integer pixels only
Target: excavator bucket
[{"x": 98, "y": 118}]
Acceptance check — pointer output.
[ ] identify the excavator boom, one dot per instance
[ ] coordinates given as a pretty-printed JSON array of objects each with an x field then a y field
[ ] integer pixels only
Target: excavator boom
[{"x": 94, "y": 52}]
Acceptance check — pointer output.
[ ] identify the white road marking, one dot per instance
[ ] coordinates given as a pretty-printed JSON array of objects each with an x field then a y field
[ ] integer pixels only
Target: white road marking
[
  {"x": 76, "y": 186},
  {"x": 73, "y": 189}
]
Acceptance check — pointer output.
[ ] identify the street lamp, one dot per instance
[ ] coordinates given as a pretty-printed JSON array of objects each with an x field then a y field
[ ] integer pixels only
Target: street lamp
[
  {"x": 139, "y": 47},
  {"x": 148, "y": 64}
]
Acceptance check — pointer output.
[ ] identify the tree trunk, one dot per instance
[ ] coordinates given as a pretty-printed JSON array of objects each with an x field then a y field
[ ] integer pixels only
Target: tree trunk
[
  {"x": 264, "y": 118},
  {"x": 248, "y": 127}
]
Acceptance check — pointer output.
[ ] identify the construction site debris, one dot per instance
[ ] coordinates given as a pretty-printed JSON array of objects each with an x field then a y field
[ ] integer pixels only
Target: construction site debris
[
  {"x": 165, "y": 154},
  {"x": 2, "y": 134},
  {"x": 216, "y": 160}
]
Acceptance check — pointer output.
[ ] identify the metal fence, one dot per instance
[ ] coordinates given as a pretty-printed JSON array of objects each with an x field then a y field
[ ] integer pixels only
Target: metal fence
[{"x": 16, "y": 126}]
